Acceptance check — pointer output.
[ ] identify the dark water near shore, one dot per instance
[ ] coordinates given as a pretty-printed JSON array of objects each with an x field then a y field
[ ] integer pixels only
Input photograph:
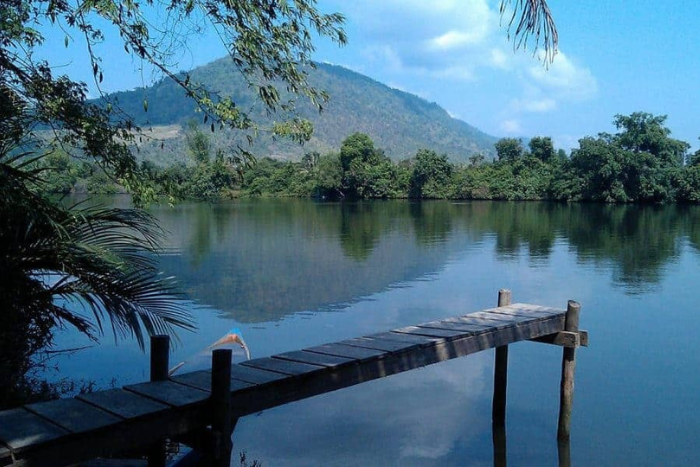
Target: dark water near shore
[{"x": 295, "y": 273}]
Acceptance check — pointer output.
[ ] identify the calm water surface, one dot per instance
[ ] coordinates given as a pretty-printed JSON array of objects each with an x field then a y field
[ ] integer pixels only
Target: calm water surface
[{"x": 293, "y": 274}]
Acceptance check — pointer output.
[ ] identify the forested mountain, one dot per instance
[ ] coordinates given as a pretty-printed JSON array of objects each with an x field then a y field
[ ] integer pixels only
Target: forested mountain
[{"x": 399, "y": 123}]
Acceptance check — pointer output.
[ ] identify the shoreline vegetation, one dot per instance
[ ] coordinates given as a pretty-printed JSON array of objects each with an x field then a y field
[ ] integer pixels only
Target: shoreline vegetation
[{"x": 639, "y": 164}]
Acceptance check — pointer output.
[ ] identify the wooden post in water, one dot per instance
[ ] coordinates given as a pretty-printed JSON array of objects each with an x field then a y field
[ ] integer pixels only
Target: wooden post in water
[
  {"x": 568, "y": 367},
  {"x": 500, "y": 375},
  {"x": 160, "y": 356},
  {"x": 221, "y": 405}
]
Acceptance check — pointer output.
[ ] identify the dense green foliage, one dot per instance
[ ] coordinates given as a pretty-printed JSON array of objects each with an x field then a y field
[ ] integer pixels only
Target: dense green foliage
[{"x": 639, "y": 164}]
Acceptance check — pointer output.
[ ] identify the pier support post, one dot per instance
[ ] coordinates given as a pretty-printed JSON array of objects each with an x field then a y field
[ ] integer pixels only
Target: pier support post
[
  {"x": 160, "y": 356},
  {"x": 568, "y": 367},
  {"x": 500, "y": 375},
  {"x": 221, "y": 423}
]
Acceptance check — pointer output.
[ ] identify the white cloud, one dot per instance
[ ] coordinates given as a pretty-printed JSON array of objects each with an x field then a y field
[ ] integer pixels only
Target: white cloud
[
  {"x": 452, "y": 42},
  {"x": 534, "y": 105},
  {"x": 565, "y": 79},
  {"x": 499, "y": 59},
  {"x": 453, "y": 39},
  {"x": 460, "y": 40},
  {"x": 511, "y": 127}
]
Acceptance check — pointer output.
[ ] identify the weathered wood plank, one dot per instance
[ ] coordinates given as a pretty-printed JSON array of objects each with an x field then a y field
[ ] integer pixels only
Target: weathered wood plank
[
  {"x": 456, "y": 326},
  {"x": 583, "y": 336},
  {"x": 21, "y": 429},
  {"x": 526, "y": 307},
  {"x": 254, "y": 375},
  {"x": 123, "y": 403},
  {"x": 329, "y": 361},
  {"x": 391, "y": 346},
  {"x": 509, "y": 318},
  {"x": 202, "y": 380},
  {"x": 73, "y": 415},
  {"x": 488, "y": 321},
  {"x": 565, "y": 339},
  {"x": 409, "y": 338},
  {"x": 527, "y": 310},
  {"x": 429, "y": 332},
  {"x": 356, "y": 353},
  {"x": 282, "y": 366},
  {"x": 169, "y": 392},
  {"x": 128, "y": 435}
]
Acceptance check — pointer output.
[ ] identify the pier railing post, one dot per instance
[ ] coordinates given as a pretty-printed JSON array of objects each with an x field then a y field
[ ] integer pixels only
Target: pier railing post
[
  {"x": 568, "y": 367},
  {"x": 500, "y": 375},
  {"x": 160, "y": 355},
  {"x": 221, "y": 405}
]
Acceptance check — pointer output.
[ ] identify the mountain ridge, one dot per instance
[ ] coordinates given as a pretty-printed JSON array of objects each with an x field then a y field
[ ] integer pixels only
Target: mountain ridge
[{"x": 398, "y": 122}]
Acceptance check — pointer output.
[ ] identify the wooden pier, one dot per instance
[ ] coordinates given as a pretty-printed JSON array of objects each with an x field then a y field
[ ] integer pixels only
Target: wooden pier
[{"x": 200, "y": 409}]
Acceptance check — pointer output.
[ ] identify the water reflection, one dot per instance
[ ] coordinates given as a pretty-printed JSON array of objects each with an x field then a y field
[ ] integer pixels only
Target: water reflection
[
  {"x": 270, "y": 259},
  {"x": 405, "y": 420},
  {"x": 274, "y": 267},
  {"x": 261, "y": 260}
]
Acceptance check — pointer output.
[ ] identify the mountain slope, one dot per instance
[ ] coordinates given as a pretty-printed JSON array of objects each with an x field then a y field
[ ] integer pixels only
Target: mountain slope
[{"x": 398, "y": 122}]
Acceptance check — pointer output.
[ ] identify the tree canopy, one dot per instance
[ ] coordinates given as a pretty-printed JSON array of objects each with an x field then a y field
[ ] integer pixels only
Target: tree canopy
[{"x": 270, "y": 43}]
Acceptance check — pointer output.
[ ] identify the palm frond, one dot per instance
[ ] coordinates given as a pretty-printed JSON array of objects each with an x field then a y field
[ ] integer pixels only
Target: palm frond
[
  {"x": 102, "y": 263},
  {"x": 535, "y": 23}
]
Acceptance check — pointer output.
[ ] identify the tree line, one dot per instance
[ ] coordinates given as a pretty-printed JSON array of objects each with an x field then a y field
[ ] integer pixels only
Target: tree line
[{"x": 640, "y": 163}]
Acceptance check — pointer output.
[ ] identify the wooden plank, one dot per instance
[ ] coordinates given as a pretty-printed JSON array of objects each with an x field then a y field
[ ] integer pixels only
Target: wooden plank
[
  {"x": 410, "y": 338},
  {"x": 73, "y": 415},
  {"x": 562, "y": 339},
  {"x": 509, "y": 318},
  {"x": 254, "y": 375},
  {"x": 456, "y": 326},
  {"x": 123, "y": 403},
  {"x": 526, "y": 307},
  {"x": 429, "y": 332},
  {"x": 583, "y": 336},
  {"x": 21, "y": 429},
  {"x": 131, "y": 434},
  {"x": 357, "y": 353},
  {"x": 490, "y": 321},
  {"x": 391, "y": 346},
  {"x": 202, "y": 380},
  {"x": 282, "y": 366},
  {"x": 329, "y": 361},
  {"x": 520, "y": 309},
  {"x": 169, "y": 392}
]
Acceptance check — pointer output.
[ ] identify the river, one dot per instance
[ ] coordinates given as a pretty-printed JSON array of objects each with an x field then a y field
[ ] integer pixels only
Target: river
[{"x": 296, "y": 273}]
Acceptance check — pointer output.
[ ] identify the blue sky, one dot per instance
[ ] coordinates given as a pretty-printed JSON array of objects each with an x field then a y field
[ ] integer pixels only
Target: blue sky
[{"x": 615, "y": 57}]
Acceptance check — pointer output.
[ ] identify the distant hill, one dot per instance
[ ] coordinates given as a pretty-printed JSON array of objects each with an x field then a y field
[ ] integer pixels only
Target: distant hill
[{"x": 398, "y": 122}]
